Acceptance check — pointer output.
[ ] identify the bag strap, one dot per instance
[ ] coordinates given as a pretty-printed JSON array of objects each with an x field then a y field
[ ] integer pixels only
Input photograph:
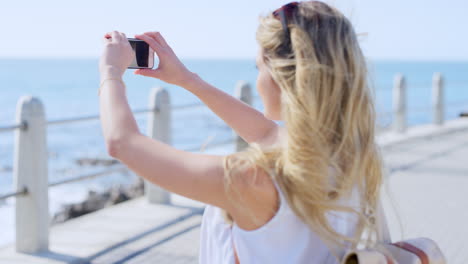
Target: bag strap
[{"x": 383, "y": 232}]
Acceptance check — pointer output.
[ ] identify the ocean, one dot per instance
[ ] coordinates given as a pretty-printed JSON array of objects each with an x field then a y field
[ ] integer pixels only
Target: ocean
[{"x": 68, "y": 88}]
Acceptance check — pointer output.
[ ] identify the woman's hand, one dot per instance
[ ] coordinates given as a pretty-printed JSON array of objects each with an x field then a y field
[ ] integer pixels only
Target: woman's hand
[
  {"x": 116, "y": 57},
  {"x": 170, "y": 69}
]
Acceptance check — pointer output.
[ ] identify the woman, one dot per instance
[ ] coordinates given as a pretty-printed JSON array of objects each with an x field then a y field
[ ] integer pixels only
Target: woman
[{"x": 302, "y": 193}]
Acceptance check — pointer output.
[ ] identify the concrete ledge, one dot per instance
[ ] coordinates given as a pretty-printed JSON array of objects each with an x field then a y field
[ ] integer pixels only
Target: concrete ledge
[{"x": 423, "y": 131}]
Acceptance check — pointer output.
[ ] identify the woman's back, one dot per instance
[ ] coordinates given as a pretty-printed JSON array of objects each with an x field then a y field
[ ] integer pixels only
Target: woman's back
[
  {"x": 313, "y": 77},
  {"x": 283, "y": 239}
]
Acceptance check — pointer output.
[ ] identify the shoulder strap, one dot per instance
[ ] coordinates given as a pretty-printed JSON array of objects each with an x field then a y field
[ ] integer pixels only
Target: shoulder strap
[{"x": 383, "y": 233}]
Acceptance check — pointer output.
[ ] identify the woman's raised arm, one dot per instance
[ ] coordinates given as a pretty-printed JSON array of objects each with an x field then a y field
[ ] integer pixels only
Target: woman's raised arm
[
  {"x": 249, "y": 123},
  {"x": 196, "y": 176}
]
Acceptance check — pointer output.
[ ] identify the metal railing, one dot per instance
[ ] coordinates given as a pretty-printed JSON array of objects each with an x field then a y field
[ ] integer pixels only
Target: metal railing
[
  {"x": 23, "y": 125},
  {"x": 30, "y": 168},
  {"x": 30, "y": 161},
  {"x": 21, "y": 192}
]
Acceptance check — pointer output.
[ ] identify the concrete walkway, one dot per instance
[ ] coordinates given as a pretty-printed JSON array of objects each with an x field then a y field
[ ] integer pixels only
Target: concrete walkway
[
  {"x": 131, "y": 232},
  {"x": 428, "y": 186}
]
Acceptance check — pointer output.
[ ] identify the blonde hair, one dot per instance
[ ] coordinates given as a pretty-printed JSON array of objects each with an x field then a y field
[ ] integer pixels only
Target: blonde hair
[{"x": 329, "y": 114}]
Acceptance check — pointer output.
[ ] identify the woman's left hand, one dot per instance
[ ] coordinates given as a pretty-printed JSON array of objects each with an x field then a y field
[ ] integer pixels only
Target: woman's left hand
[{"x": 116, "y": 57}]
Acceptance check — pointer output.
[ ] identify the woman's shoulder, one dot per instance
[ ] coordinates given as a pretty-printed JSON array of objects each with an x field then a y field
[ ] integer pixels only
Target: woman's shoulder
[{"x": 258, "y": 200}]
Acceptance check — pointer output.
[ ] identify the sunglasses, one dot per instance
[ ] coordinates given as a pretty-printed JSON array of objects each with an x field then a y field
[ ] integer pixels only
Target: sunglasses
[{"x": 284, "y": 14}]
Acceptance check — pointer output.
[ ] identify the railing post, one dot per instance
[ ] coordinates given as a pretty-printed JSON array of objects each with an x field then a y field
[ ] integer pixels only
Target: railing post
[
  {"x": 399, "y": 104},
  {"x": 242, "y": 92},
  {"x": 30, "y": 172},
  {"x": 159, "y": 127},
  {"x": 438, "y": 99}
]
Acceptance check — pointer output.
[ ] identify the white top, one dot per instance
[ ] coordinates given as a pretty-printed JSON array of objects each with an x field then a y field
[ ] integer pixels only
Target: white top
[{"x": 283, "y": 239}]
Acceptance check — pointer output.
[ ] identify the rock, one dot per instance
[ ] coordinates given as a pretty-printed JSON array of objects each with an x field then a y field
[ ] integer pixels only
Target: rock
[
  {"x": 137, "y": 189},
  {"x": 117, "y": 195},
  {"x": 95, "y": 201}
]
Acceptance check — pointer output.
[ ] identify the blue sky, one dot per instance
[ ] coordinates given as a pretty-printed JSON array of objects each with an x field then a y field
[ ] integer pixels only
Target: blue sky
[{"x": 397, "y": 29}]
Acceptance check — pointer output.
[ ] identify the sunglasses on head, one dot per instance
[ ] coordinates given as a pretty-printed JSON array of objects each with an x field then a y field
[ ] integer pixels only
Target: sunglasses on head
[{"x": 284, "y": 14}]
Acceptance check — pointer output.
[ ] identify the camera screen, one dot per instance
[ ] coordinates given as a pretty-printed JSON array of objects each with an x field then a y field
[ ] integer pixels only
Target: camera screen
[{"x": 141, "y": 50}]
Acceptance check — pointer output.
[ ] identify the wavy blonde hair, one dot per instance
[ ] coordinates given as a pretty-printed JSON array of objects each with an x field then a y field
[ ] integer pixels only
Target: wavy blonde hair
[{"x": 329, "y": 114}]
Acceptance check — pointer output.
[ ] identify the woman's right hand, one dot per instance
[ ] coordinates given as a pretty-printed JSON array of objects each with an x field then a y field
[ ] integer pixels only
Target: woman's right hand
[{"x": 170, "y": 69}]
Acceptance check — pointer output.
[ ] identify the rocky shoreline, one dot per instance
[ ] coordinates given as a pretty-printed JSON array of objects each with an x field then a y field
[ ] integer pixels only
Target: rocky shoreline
[
  {"x": 98, "y": 200},
  {"x": 95, "y": 201}
]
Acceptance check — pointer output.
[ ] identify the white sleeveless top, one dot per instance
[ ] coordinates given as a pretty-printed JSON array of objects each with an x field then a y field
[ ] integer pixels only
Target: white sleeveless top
[{"x": 283, "y": 239}]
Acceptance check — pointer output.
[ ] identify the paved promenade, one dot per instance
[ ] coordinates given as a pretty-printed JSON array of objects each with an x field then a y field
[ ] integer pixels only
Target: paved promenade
[
  {"x": 130, "y": 232},
  {"x": 428, "y": 186}
]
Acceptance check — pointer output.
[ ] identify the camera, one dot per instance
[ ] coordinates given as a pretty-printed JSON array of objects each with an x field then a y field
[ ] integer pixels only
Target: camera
[{"x": 144, "y": 54}]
